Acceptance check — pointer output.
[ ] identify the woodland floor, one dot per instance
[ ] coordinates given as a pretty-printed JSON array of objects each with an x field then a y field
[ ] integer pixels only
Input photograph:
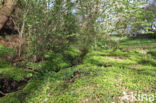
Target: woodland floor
[{"x": 103, "y": 77}]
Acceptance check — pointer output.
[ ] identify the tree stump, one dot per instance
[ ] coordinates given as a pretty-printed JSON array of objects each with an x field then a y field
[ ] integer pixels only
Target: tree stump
[{"x": 6, "y": 10}]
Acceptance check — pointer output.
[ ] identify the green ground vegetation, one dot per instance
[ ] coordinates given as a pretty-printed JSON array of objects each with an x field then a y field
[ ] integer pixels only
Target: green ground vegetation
[{"x": 102, "y": 76}]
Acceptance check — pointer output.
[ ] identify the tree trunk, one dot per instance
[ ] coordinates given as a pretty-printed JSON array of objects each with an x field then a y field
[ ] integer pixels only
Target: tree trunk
[{"x": 6, "y": 10}]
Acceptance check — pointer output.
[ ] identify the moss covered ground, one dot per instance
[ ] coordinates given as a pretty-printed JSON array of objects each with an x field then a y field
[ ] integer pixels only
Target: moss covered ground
[{"x": 103, "y": 77}]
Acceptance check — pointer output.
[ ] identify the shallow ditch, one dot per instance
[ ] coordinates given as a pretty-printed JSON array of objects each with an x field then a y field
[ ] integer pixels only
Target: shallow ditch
[{"x": 9, "y": 86}]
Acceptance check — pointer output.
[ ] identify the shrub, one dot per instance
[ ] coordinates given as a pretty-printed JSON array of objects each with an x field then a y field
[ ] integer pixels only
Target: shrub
[
  {"x": 55, "y": 61},
  {"x": 72, "y": 55},
  {"x": 5, "y": 51}
]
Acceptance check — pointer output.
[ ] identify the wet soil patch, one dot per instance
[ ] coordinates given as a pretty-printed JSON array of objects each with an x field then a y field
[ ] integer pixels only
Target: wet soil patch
[{"x": 9, "y": 86}]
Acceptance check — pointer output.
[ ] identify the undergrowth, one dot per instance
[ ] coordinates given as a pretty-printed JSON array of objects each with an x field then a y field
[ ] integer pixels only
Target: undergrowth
[{"x": 102, "y": 77}]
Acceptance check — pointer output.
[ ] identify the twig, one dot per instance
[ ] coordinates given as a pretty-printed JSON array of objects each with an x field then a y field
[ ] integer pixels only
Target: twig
[{"x": 2, "y": 93}]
